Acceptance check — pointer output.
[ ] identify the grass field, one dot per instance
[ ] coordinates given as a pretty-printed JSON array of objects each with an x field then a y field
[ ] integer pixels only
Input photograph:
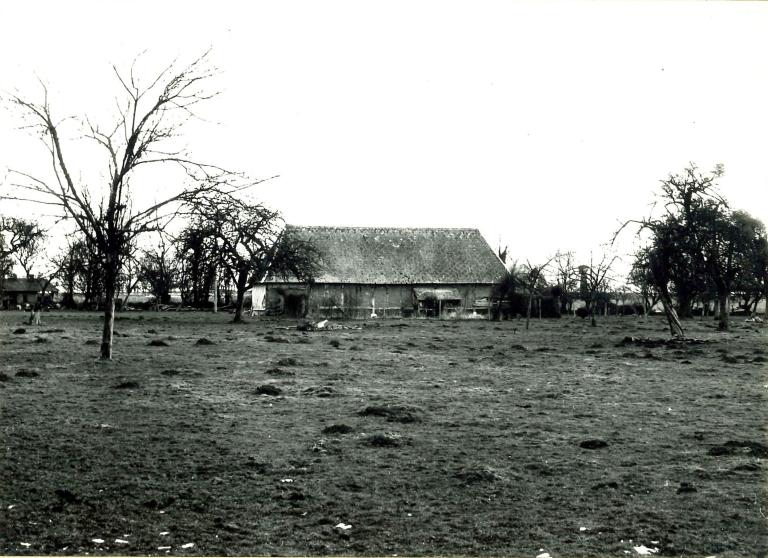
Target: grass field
[{"x": 402, "y": 437}]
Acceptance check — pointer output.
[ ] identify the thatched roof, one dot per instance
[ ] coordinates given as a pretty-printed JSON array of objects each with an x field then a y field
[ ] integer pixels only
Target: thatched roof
[
  {"x": 390, "y": 256},
  {"x": 25, "y": 285}
]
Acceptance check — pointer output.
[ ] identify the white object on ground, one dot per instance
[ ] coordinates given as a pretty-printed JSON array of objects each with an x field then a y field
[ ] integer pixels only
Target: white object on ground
[
  {"x": 343, "y": 526},
  {"x": 121, "y": 541},
  {"x": 98, "y": 541},
  {"x": 643, "y": 550},
  {"x": 286, "y": 480},
  {"x": 188, "y": 545},
  {"x": 26, "y": 544},
  {"x": 582, "y": 528},
  {"x": 164, "y": 533},
  {"x": 163, "y": 547},
  {"x": 544, "y": 555}
]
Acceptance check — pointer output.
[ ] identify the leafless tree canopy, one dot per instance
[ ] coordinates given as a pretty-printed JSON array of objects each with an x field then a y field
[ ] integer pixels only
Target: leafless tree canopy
[{"x": 149, "y": 119}]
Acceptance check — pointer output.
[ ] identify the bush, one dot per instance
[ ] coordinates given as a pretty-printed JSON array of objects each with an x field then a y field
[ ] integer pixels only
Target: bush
[{"x": 582, "y": 312}]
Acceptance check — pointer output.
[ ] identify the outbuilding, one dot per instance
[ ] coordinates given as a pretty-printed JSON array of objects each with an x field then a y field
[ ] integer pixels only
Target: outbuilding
[
  {"x": 390, "y": 272},
  {"x": 19, "y": 292}
]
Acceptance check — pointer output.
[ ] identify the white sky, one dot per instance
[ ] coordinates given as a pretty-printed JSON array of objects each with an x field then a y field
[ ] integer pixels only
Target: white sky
[{"x": 542, "y": 124}]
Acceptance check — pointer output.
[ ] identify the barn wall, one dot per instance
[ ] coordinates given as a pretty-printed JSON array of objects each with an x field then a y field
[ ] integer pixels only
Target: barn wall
[{"x": 359, "y": 301}]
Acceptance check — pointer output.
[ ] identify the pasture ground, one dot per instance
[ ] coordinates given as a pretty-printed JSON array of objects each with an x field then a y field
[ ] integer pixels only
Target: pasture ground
[{"x": 420, "y": 437}]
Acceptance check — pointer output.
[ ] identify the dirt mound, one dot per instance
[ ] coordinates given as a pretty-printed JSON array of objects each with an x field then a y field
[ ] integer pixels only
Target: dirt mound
[
  {"x": 275, "y": 371},
  {"x": 268, "y": 389},
  {"x": 159, "y": 343},
  {"x": 393, "y": 413},
  {"x": 4, "y": 377},
  {"x": 93, "y": 342},
  {"x": 204, "y": 341},
  {"x": 129, "y": 384},
  {"x": 19, "y": 330},
  {"x": 274, "y": 339},
  {"x": 476, "y": 475},
  {"x": 338, "y": 429},
  {"x": 733, "y": 447},
  {"x": 24, "y": 373},
  {"x": 288, "y": 361},
  {"x": 320, "y": 391},
  {"x": 383, "y": 440},
  {"x": 593, "y": 444}
]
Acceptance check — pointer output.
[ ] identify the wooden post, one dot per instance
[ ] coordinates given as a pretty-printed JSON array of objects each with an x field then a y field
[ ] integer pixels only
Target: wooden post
[{"x": 215, "y": 294}]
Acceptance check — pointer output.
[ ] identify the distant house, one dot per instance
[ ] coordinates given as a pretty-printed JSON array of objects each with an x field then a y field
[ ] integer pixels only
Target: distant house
[
  {"x": 21, "y": 291},
  {"x": 390, "y": 272}
]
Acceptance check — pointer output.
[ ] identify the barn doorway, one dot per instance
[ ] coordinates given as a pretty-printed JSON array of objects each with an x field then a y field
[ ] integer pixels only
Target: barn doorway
[{"x": 295, "y": 306}]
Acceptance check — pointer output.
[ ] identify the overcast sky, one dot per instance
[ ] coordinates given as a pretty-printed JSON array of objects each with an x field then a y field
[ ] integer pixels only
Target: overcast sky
[{"x": 542, "y": 124}]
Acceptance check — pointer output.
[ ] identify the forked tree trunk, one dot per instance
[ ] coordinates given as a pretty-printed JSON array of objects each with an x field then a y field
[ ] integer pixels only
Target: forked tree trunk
[{"x": 723, "y": 315}]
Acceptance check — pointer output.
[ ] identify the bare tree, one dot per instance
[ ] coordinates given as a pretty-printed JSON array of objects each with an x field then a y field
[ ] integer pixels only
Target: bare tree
[
  {"x": 150, "y": 118},
  {"x": 566, "y": 276},
  {"x": 533, "y": 282},
  {"x": 158, "y": 270},
  {"x": 595, "y": 281},
  {"x": 252, "y": 242}
]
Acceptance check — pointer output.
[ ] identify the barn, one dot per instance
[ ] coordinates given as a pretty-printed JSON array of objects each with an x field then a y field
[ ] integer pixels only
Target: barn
[{"x": 390, "y": 272}]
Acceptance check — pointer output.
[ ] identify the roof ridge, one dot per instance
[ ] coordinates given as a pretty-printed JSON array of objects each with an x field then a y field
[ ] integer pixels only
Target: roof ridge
[{"x": 345, "y": 227}]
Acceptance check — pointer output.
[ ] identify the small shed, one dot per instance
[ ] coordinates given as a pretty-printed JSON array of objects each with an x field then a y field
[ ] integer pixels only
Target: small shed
[
  {"x": 390, "y": 272},
  {"x": 18, "y": 292}
]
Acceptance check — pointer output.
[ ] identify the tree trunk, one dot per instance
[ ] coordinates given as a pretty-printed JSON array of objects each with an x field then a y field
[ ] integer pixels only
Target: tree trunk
[
  {"x": 242, "y": 278},
  {"x": 675, "y": 327},
  {"x": 215, "y": 295},
  {"x": 723, "y": 315},
  {"x": 110, "y": 287},
  {"x": 684, "y": 304},
  {"x": 528, "y": 313}
]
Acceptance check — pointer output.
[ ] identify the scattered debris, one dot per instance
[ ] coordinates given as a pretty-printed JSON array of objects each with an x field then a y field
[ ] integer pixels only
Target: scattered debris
[{"x": 656, "y": 342}]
